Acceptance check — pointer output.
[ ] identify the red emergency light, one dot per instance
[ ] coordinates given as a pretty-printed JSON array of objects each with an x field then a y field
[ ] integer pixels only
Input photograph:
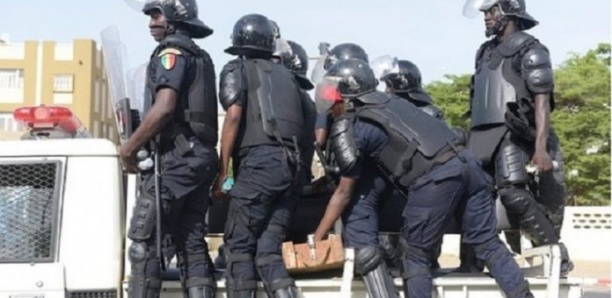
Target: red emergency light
[{"x": 47, "y": 117}]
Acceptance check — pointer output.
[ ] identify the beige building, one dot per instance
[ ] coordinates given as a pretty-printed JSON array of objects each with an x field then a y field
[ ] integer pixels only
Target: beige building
[{"x": 48, "y": 73}]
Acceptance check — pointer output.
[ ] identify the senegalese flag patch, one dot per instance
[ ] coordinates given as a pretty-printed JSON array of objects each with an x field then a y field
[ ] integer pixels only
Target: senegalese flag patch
[
  {"x": 168, "y": 57},
  {"x": 168, "y": 61}
]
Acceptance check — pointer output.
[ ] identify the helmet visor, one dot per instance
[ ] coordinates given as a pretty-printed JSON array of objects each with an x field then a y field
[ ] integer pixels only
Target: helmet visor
[
  {"x": 384, "y": 66},
  {"x": 327, "y": 93},
  {"x": 472, "y": 8}
]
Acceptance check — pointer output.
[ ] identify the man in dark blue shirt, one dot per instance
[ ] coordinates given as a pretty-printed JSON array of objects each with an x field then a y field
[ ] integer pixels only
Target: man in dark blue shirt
[{"x": 381, "y": 140}]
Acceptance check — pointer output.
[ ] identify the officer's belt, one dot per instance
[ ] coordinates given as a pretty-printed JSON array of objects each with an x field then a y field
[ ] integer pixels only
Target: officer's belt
[
  {"x": 181, "y": 139},
  {"x": 447, "y": 153},
  {"x": 285, "y": 144}
]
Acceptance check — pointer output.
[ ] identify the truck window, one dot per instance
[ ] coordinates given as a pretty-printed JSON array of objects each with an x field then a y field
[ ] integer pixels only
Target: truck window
[{"x": 29, "y": 200}]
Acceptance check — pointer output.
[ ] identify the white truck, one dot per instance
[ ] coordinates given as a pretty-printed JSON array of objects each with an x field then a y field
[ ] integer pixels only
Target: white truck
[{"x": 64, "y": 208}]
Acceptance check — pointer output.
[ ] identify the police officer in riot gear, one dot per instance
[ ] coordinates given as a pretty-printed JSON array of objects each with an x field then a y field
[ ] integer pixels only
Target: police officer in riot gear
[
  {"x": 377, "y": 145},
  {"x": 340, "y": 52},
  {"x": 263, "y": 127},
  {"x": 511, "y": 101},
  {"x": 406, "y": 83},
  {"x": 402, "y": 78},
  {"x": 180, "y": 113}
]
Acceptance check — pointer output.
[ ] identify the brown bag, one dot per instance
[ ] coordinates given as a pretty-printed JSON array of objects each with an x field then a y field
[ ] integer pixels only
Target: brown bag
[{"x": 329, "y": 255}]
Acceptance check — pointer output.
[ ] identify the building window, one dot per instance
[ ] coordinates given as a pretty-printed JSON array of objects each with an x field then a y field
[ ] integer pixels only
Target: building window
[
  {"x": 63, "y": 83},
  {"x": 8, "y": 123},
  {"x": 11, "y": 85},
  {"x": 11, "y": 78}
]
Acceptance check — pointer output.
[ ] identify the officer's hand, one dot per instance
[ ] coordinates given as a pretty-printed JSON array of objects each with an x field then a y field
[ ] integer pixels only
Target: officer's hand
[
  {"x": 128, "y": 159},
  {"x": 319, "y": 236},
  {"x": 217, "y": 190},
  {"x": 542, "y": 161}
]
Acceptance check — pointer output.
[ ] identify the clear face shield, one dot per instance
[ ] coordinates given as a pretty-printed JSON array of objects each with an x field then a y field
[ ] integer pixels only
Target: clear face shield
[
  {"x": 327, "y": 93},
  {"x": 282, "y": 50},
  {"x": 473, "y": 8},
  {"x": 383, "y": 67},
  {"x": 139, "y": 5},
  {"x": 318, "y": 72}
]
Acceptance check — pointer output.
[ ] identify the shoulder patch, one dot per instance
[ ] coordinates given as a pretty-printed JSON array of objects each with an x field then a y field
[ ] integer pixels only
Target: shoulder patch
[
  {"x": 169, "y": 51},
  {"x": 168, "y": 57}
]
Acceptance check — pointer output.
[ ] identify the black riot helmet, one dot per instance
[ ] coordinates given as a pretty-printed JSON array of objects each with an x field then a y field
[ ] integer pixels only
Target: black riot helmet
[
  {"x": 345, "y": 51},
  {"x": 405, "y": 82},
  {"x": 509, "y": 8},
  {"x": 354, "y": 77},
  {"x": 253, "y": 36},
  {"x": 295, "y": 58},
  {"x": 407, "y": 77},
  {"x": 180, "y": 13}
]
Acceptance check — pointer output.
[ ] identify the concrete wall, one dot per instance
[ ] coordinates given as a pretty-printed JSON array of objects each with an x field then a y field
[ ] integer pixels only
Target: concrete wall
[{"x": 587, "y": 233}]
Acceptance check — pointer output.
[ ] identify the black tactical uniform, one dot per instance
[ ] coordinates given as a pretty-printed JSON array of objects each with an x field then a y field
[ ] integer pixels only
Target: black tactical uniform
[
  {"x": 189, "y": 160},
  {"x": 266, "y": 160},
  {"x": 508, "y": 77}
]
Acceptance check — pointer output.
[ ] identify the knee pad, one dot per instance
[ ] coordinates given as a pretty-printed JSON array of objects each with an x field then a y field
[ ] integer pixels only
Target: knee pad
[
  {"x": 138, "y": 254},
  {"x": 368, "y": 259},
  {"x": 369, "y": 263},
  {"x": 141, "y": 285},
  {"x": 518, "y": 201}
]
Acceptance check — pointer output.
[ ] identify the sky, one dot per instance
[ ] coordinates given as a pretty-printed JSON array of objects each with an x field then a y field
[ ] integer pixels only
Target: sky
[{"x": 433, "y": 33}]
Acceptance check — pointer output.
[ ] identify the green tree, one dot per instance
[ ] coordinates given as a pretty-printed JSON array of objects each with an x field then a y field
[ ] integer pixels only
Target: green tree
[
  {"x": 581, "y": 119},
  {"x": 452, "y": 96}
]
